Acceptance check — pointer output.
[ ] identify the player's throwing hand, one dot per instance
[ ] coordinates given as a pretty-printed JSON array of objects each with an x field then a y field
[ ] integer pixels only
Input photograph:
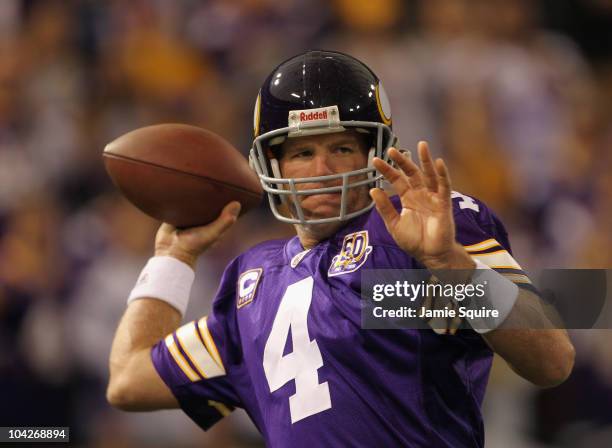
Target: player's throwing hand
[
  {"x": 188, "y": 244},
  {"x": 425, "y": 227}
]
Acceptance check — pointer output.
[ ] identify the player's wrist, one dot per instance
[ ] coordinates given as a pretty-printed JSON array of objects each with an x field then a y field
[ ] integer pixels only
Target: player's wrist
[
  {"x": 189, "y": 259},
  {"x": 497, "y": 294},
  {"x": 501, "y": 294},
  {"x": 165, "y": 278},
  {"x": 456, "y": 258}
]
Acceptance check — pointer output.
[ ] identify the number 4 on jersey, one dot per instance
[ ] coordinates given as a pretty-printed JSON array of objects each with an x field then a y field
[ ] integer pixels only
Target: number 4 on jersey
[
  {"x": 465, "y": 201},
  {"x": 303, "y": 362}
]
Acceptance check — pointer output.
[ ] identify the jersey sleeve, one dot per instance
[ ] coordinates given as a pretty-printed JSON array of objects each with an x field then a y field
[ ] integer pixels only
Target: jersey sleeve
[
  {"x": 196, "y": 360},
  {"x": 485, "y": 238}
]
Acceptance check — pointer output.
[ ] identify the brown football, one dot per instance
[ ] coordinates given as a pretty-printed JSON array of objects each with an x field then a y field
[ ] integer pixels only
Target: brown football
[{"x": 181, "y": 174}]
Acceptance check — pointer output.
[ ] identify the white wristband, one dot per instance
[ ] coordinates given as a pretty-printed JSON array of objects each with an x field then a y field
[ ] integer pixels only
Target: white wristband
[
  {"x": 167, "y": 279},
  {"x": 501, "y": 297}
]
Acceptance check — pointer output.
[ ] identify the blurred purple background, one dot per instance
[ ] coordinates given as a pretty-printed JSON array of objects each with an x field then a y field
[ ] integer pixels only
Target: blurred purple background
[{"x": 516, "y": 95}]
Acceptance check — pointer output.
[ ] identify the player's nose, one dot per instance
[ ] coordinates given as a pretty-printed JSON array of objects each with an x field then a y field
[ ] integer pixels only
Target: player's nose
[{"x": 321, "y": 165}]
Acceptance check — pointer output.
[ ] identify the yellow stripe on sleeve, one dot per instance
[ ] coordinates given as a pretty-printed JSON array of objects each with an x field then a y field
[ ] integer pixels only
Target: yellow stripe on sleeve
[
  {"x": 517, "y": 278},
  {"x": 486, "y": 244},
  {"x": 223, "y": 410},
  {"x": 180, "y": 360},
  {"x": 197, "y": 352},
  {"x": 497, "y": 260},
  {"x": 210, "y": 343},
  {"x": 188, "y": 339}
]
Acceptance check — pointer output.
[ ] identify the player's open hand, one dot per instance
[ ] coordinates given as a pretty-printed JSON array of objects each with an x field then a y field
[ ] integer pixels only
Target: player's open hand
[
  {"x": 425, "y": 228},
  {"x": 188, "y": 244}
]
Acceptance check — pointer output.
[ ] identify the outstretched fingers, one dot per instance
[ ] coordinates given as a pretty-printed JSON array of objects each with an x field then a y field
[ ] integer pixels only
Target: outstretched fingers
[
  {"x": 432, "y": 175},
  {"x": 444, "y": 181},
  {"x": 394, "y": 176},
  {"x": 429, "y": 173},
  {"x": 385, "y": 207},
  {"x": 409, "y": 168}
]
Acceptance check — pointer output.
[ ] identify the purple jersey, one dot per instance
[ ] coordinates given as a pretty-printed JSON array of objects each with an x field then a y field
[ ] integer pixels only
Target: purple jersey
[{"x": 283, "y": 341}]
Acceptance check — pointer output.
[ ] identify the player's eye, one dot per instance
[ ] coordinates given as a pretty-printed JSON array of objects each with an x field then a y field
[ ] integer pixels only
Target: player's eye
[
  {"x": 345, "y": 150},
  {"x": 302, "y": 153}
]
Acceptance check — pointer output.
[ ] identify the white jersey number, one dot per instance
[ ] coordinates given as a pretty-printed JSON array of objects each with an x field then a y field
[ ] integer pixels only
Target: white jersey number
[
  {"x": 465, "y": 202},
  {"x": 303, "y": 362}
]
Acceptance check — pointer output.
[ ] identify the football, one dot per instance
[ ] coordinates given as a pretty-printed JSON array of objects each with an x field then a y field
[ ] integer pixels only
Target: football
[{"x": 180, "y": 174}]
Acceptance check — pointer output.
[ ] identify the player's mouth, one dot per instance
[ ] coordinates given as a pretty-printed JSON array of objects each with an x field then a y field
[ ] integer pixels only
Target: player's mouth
[
  {"x": 320, "y": 198},
  {"x": 321, "y": 205}
]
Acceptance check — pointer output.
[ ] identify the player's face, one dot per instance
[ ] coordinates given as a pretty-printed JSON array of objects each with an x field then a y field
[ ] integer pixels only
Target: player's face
[{"x": 323, "y": 155}]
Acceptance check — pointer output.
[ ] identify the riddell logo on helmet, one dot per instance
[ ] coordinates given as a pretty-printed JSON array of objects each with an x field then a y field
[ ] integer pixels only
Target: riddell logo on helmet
[
  {"x": 307, "y": 119},
  {"x": 315, "y": 115}
]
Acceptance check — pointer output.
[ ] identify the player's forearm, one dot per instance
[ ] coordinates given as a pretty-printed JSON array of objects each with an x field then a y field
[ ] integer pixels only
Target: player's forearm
[
  {"x": 531, "y": 344},
  {"x": 530, "y": 338},
  {"x": 143, "y": 324}
]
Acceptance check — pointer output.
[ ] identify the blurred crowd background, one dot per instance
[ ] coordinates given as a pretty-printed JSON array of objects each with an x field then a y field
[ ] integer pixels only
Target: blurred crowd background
[{"x": 515, "y": 94}]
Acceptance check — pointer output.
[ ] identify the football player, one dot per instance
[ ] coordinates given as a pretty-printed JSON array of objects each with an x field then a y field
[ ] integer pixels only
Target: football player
[{"x": 284, "y": 339}]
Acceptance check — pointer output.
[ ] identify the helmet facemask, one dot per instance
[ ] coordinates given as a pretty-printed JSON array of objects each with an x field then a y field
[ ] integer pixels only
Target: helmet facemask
[
  {"x": 283, "y": 193},
  {"x": 313, "y": 93}
]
